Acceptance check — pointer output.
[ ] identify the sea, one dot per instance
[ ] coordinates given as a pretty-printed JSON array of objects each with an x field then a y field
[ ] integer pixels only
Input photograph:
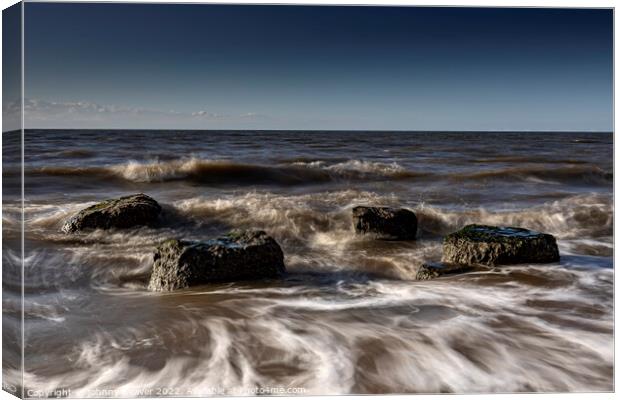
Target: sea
[{"x": 349, "y": 317}]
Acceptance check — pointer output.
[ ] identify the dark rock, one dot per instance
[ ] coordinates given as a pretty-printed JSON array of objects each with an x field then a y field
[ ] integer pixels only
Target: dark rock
[
  {"x": 125, "y": 212},
  {"x": 244, "y": 255},
  {"x": 432, "y": 270},
  {"x": 492, "y": 245},
  {"x": 385, "y": 222}
]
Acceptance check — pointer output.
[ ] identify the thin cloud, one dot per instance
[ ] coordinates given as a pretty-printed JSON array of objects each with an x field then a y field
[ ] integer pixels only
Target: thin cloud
[
  {"x": 206, "y": 114},
  {"x": 52, "y": 114},
  {"x": 253, "y": 115}
]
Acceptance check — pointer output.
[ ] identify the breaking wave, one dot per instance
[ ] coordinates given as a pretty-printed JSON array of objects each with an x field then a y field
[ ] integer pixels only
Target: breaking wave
[
  {"x": 589, "y": 215},
  {"x": 224, "y": 171},
  {"x": 319, "y": 171},
  {"x": 313, "y": 216},
  {"x": 314, "y": 230}
]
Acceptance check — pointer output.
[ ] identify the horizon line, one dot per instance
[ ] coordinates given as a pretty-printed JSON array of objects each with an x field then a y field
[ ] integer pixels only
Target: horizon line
[{"x": 308, "y": 130}]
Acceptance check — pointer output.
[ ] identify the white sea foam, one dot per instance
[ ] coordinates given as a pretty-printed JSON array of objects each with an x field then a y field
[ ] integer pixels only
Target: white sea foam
[{"x": 454, "y": 336}]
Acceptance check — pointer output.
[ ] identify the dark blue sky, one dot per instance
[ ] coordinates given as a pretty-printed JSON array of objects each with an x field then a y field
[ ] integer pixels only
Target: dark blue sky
[
  {"x": 291, "y": 67},
  {"x": 11, "y": 67}
]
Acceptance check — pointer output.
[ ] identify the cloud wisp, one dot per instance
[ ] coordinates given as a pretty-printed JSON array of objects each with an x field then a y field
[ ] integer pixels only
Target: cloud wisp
[{"x": 82, "y": 114}]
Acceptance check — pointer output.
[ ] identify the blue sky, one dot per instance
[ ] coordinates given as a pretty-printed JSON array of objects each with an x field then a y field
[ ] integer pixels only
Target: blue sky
[{"x": 290, "y": 67}]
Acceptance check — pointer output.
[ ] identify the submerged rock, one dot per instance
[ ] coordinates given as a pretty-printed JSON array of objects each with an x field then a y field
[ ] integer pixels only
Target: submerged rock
[
  {"x": 244, "y": 255},
  {"x": 432, "y": 270},
  {"x": 385, "y": 222},
  {"x": 124, "y": 212},
  {"x": 492, "y": 245}
]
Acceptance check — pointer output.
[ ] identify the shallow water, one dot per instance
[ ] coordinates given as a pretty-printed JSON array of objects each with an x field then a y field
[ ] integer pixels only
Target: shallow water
[{"x": 349, "y": 317}]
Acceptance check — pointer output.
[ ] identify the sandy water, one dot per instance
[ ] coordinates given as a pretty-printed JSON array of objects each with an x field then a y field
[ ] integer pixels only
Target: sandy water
[{"x": 349, "y": 317}]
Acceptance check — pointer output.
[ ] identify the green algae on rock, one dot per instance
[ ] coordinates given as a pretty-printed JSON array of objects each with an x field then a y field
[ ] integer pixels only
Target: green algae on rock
[
  {"x": 238, "y": 256},
  {"x": 492, "y": 245}
]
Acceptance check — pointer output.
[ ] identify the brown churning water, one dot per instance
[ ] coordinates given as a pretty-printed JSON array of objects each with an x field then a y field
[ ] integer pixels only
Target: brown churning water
[{"x": 349, "y": 317}]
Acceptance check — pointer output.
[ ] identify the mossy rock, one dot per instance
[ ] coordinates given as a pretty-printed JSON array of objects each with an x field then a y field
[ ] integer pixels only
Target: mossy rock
[
  {"x": 493, "y": 245},
  {"x": 125, "y": 212},
  {"x": 242, "y": 256}
]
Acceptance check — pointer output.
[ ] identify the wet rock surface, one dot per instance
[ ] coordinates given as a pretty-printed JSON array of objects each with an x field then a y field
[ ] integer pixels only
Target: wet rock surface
[
  {"x": 240, "y": 255},
  {"x": 385, "y": 222},
  {"x": 432, "y": 270},
  {"x": 492, "y": 245},
  {"x": 121, "y": 213}
]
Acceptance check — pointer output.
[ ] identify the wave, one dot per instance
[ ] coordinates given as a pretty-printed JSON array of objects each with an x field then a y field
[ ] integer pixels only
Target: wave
[
  {"x": 531, "y": 159},
  {"x": 362, "y": 168},
  {"x": 319, "y": 171},
  {"x": 224, "y": 171},
  {"x": 575, "y": 217},
  {"x": 75, "y": 153},
  {"x": 316, "y": 231},
  {"x": 295, "y": 218},
  {"x": 215, "y": 171},
  {"x": 204, "y": 171},
  {"x": 587, "y": 215},
  {"x": 568, "y": 174}
]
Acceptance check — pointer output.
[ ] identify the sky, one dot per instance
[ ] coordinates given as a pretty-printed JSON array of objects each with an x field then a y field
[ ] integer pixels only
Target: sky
[{"x": 182, "y": 66}]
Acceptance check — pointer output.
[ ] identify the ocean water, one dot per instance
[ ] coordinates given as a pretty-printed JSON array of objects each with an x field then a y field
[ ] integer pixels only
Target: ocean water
[{"x": 349, "y": 317}]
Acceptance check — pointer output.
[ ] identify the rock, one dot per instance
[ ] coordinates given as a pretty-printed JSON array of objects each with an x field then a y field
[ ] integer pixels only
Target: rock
[
  {"x": 432, "y": 270},
  {"x": 385, "y": 222},
  {"x": 244, "y": 255},
  {"x": 492, "y": 245},
  {"x": 125, "y": 212}
]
